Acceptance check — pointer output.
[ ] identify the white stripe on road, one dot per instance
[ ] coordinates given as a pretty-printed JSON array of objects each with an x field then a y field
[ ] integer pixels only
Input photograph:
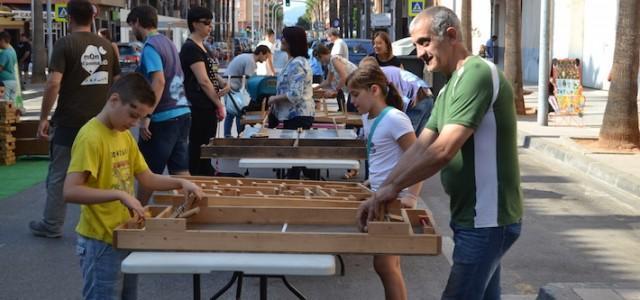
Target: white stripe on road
[{"x": 447, "y": 249}]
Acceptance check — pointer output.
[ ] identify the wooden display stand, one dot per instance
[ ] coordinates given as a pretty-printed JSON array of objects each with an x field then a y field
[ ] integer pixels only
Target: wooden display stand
[
  {"x": 8, "y": 118},
  {"x": 254, "y": 215},
  {"x": 26, "y": 141}
]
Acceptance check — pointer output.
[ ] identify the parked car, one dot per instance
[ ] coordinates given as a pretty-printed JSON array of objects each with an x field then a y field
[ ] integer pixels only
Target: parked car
[
  {"x": 358, "y": 49},
  {"x": 403, "y": 47},
  {"x": 129, "y": 57}
]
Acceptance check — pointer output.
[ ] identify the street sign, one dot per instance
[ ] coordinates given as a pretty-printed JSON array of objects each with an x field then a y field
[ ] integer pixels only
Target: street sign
[
  {"x": 335, "y": 23},
  {"x": 381, "y": 20},
  {"x": 415, "y": 7},
  {"x": 61, "y": 14}
]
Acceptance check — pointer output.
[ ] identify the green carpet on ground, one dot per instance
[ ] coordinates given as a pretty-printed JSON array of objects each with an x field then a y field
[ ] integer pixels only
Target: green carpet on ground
[{"x": 25, "y": 173}]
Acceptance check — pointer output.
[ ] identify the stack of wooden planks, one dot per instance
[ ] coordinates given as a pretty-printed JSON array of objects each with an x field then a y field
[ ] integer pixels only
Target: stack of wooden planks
[
  {"x": 26, "y": 141},
  {"x": 8, "y": 118}
]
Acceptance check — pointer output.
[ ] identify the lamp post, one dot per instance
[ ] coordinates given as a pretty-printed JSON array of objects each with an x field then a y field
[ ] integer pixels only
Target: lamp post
[{"x": 275, "y": 9}]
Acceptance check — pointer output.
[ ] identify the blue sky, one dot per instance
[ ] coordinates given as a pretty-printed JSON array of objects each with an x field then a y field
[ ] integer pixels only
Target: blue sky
[{"x": 293, "y": 12}]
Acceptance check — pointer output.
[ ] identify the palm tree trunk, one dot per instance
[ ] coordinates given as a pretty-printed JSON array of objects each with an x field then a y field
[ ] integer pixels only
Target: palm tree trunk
[
  {"x": 466, "y": 24},
  {"x": 620, "y": 124},
  {"x": 39, "y": 55},
  {"x": 513, "y": 52}
]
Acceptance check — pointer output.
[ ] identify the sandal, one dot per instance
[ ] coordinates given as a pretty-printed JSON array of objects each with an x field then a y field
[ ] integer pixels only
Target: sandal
[{"x": 350, "y": 174}]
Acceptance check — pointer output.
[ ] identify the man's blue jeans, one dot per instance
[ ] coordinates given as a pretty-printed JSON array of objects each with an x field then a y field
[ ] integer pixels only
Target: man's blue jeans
[
  {"x": 420, "y": 113},
  {"x": 228, "y": 123},
  {"x": 102, "y": 279},
  {"x": 475, "y": 273}
]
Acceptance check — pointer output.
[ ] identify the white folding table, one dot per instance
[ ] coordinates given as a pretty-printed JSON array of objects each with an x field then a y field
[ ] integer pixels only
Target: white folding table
[
  {"x": 261, "y": 265},
  {"x": 279, "y": 164}
]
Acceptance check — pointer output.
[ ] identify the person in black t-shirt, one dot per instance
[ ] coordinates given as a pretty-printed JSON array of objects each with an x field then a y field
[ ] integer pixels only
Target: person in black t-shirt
[
  {"x": 23, "y": 50},
  {"x": 82, "y": 68},
  {"x": 383, "y": 52},
  {"x": 203, "y": 87}
]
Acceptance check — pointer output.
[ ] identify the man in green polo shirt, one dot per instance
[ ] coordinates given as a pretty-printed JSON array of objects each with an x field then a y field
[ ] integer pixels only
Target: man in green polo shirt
[{"x": 471, "y": 139}]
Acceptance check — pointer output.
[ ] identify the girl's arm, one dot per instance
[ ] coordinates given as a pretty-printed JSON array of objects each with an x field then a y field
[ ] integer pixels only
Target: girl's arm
[{"x": 409, "y": 200}]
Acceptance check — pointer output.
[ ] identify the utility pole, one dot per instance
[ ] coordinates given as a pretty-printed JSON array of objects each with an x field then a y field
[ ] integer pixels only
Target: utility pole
[
  {"x": 543, "y": 67},
  {"x": 218, "y": 20},
  {"x": 233, "y": 18},
  {"x": 39, "y": 55},
  {"x": 49, "y": 31},
  {"x": 367, "y": 19}
]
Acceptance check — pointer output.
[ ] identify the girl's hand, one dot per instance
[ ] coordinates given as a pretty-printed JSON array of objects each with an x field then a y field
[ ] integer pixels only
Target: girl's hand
[{"x": 409, "y": 200}]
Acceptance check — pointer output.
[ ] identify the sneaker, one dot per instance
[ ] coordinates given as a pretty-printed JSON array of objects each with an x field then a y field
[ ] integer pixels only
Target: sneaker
[{"x": 41, "y": 230}]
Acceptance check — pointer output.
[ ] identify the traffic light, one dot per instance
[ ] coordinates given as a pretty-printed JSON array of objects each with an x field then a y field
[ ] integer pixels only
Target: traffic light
[{"x": 287, "y": 3}]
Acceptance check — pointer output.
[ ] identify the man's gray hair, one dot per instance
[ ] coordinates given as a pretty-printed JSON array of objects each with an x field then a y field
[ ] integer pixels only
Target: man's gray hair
[
  {"x": 441, "y": 18},
  {"x": 334, "y": 32}
]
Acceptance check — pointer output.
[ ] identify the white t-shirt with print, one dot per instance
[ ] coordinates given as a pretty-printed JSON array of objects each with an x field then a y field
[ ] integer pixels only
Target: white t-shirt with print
[
  {"x": 385, "y": 151},
  {"x": 340, "y": 48}
]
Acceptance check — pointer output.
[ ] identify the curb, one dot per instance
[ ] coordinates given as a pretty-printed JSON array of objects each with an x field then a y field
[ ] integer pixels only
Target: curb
[
  {"x": 588, "y": 290},
  {"x": 576, "y": 159}
]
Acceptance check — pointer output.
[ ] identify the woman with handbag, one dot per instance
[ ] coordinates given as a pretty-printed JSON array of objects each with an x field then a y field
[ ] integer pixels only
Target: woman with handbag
[
  {"x": 293, "y": 105},
  {"x": 203, "y": 87}
]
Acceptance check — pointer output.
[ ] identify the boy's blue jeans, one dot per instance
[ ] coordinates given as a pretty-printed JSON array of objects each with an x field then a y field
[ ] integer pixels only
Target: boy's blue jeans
[
  {"x": 101, "y": 274},
  {"x": 475, "y": 273}
]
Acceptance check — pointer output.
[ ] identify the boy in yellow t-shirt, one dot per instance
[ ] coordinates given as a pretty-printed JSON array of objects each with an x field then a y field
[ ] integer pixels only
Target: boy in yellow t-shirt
[{"x": 104, "y": 161}]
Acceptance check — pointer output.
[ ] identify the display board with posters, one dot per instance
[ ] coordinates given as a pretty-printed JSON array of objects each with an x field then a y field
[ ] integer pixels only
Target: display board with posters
[{"x": 566, "y": 81}]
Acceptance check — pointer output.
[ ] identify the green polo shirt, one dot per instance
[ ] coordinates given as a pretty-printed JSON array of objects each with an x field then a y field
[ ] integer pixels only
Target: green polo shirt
[{"x": 483, "y": 179}]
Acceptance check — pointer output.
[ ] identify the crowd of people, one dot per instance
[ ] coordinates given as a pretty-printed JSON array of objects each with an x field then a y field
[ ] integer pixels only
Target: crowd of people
[{"x": 177, "y": 99}]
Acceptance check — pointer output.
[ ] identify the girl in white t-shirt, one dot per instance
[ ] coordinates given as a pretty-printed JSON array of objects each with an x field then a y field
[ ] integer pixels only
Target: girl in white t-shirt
[{"x": 389, "y": 133}]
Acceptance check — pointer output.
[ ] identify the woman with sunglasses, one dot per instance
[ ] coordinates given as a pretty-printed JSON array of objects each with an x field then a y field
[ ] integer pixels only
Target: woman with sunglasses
[
  {"x": 293, "y": 105},
  {"x": 203, "y": 87}
]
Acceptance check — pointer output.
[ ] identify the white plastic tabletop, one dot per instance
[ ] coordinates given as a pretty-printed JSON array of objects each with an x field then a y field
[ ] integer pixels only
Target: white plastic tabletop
[
  {"x": 249, "y": 263},
  {"x": 285, "y": 163}
]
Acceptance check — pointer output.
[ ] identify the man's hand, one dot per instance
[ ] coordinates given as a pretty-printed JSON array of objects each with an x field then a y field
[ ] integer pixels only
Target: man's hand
[
  {"x": 43, "y": 130},
  {"x": 134, "y": 205},
  {"x": 145, "y": 133},
  {"x": 221, "y": 113},
  {"x": 330, "y": 94},
  {"x": 368, "y": 210}
]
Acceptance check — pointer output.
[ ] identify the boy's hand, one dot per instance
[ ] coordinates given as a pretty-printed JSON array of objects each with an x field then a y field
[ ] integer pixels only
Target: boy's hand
[
  {"x": 133, "y": 204},
  {"x": 189, "y": 187}
]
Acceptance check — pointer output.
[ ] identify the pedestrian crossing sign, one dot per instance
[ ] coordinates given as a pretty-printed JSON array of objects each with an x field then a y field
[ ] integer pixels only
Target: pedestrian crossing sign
[
  {"x": 415, "y": 7},
  {"x": 61, "y": 14}
]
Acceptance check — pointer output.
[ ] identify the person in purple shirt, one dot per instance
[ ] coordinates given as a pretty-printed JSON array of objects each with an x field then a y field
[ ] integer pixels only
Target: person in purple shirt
[{"x": 416, "y": 93}]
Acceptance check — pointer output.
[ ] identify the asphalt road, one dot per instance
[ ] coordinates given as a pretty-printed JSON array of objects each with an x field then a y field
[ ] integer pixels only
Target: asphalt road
[{"x": 574, "y": 230}]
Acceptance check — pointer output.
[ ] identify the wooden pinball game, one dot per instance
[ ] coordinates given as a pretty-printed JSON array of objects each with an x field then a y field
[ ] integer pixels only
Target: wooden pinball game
[{"x": 282, "y": 216}]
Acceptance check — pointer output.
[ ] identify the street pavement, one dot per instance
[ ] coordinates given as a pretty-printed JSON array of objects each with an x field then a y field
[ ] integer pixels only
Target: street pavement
[{"x": 577, "y": 228}]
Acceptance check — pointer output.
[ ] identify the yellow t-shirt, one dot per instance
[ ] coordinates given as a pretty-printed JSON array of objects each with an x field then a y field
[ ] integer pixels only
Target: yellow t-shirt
[{"x": 113, "y": 159}]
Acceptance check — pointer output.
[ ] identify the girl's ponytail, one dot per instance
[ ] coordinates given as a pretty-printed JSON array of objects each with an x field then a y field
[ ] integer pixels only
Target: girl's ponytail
[{"x": 393, "y": 97}]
